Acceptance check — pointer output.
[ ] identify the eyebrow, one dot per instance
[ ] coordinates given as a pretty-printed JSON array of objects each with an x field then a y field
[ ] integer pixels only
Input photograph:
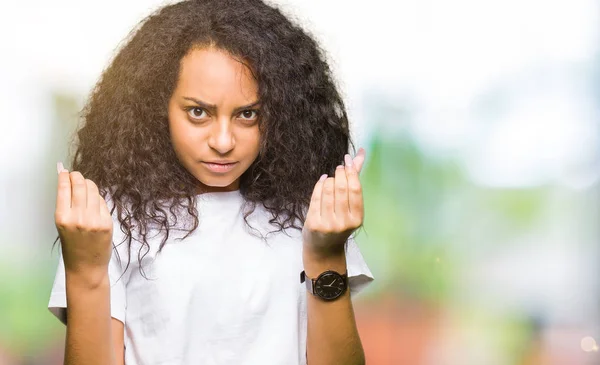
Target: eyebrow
[{"x": 212, "y": 107}]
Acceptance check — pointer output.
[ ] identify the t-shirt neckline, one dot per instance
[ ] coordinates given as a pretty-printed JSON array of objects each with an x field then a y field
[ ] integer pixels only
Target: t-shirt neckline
[{"x": 220, "y": 196}]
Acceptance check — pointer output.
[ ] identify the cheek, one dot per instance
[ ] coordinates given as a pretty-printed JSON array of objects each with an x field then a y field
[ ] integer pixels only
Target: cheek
[
  {"x": 180, "y": 129},
  {"x": 178, "y": 122},
  {"x": 252, "y": 139}
]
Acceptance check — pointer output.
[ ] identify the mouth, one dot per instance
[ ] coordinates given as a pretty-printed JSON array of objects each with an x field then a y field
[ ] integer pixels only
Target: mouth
[{"x": 219, "y": 167}]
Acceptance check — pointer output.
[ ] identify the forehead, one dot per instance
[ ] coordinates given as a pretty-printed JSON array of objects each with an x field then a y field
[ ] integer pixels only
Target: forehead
[{"x": 211, "y": 73}]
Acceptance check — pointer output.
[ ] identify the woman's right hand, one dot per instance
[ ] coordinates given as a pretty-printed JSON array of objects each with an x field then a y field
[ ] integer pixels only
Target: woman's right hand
[{"x": 84, "y": 226}]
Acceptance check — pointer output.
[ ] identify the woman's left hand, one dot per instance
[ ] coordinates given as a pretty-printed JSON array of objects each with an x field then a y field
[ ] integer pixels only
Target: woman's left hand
[{"x": 335, "y": 210}]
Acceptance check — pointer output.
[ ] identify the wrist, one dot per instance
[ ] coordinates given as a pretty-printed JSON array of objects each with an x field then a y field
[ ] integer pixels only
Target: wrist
[
  {"x": 323, "y": 252},
  {"x": 87, "y": 279},
  {"x": 317, "y": 261}
]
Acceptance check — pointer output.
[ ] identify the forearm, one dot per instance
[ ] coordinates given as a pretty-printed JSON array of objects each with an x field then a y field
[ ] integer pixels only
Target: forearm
[
  {"x": 332, "y": 336},
  {"x": 89, "y": 337}
]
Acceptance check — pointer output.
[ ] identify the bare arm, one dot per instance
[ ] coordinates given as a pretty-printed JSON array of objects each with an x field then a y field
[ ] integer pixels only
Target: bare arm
[
  {"x": 85, "y": 228},
  {"x": 93, "y": 337},
  {"x": 332, "y": 334},
  {"x": 335, "y": 211}
]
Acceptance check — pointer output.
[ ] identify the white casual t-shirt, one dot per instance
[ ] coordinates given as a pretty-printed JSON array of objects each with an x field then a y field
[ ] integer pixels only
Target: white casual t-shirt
[{"x": 219, "y": 296}]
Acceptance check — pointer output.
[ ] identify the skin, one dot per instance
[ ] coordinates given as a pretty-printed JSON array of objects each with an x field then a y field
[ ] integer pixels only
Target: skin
[
  {"x": 85, "y": 226},
  {"x": 200, "y": 133},
  {"x": 335, "y": 211},
  {"x": 221, "y": 132}
]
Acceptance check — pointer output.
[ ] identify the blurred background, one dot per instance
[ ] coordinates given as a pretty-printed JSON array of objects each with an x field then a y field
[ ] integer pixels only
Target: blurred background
[{"x": 482, "y": 182}]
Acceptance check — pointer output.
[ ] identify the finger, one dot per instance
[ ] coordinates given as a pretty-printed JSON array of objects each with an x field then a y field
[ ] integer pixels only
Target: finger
[
  {"x": 104, "y": 210},
  {"x": 328, "y": 199},
  {"x": 63, "y": 194},
  {"x": 355, "y": 199},
  {"x": 59, "y": 167},
  {"x": 341, "y": 193},
  {"x": 314, "y": 208},
  {"x": 359, "y": 159},
  {"x": 78, "y": 190},
  {"x": 105, "y": 214},
  {"x": 93, "y": 197}
]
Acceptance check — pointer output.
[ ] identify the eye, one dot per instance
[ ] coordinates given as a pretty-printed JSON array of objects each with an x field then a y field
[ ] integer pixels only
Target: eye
[
  {"x": 249, "y": 114},
  {"x": 196, "y": 113}
]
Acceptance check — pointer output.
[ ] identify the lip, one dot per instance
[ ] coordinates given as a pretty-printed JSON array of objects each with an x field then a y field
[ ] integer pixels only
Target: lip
[
  {"x": 220, "y": 162},
  {"x": 219, "y": 167}
]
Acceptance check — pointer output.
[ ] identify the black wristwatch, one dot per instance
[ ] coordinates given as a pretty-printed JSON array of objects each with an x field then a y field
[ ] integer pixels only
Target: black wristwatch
[{"x": 330, "y": 285}]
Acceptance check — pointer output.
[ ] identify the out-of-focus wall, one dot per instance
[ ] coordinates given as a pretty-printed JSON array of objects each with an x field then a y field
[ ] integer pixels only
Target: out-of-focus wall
[{"x": 480, "y": 121}]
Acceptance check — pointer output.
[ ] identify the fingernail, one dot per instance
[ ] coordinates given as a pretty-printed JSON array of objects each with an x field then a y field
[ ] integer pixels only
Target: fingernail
[
  {"x": 323, "y": 177},
  {"x": 348, "y": 160},
  {"x": 59, "y": 167}
]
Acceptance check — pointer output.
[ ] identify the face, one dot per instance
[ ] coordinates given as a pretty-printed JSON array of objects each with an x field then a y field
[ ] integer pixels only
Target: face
[{"x": 213, "y": 119}]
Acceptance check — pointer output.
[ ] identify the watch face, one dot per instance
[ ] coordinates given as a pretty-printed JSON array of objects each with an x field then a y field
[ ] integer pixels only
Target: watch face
[{"x": 330, "y": 285}]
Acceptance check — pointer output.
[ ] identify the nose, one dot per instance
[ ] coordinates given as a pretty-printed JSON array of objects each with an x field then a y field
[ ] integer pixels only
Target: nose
[{"x": 221, "y": 137}]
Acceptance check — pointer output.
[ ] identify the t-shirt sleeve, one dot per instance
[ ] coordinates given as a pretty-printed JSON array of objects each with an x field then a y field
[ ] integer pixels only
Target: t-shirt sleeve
[
  {"x": 58, "y": 296},
  {"x": 359, "y": 274}
]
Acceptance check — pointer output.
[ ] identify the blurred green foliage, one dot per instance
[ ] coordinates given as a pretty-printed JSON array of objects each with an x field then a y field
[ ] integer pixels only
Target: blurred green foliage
[
  {"x": 27, "y": 325},
  {"x": 407, "y": 227},
  {"x": 422, "y": 212}
]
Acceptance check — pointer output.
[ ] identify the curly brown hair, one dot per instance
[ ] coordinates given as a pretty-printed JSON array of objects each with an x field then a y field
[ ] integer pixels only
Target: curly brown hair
[{"x": 124, "y": 145}]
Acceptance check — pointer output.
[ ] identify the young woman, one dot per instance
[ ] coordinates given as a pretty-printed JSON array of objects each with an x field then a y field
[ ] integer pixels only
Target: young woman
[{"x": 208, "y": 215}]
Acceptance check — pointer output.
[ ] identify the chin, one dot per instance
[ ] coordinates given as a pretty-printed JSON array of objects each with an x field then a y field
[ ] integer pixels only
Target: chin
[{"x": 217, "y": 183}]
